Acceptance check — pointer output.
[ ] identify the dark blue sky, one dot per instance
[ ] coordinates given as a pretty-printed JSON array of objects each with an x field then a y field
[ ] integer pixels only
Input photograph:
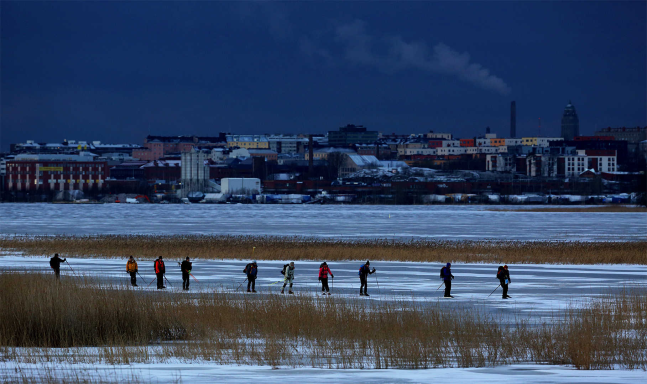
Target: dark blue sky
[{"x": 117, "y": 71}]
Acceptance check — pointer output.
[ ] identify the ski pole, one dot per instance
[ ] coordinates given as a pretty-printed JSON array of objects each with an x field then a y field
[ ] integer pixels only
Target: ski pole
[
  {"x": 241, "y": 284},
  {"x": 441, "y": 284},
  {"x": 378, "y": 287},
  {"x": 169, "y": 283},
  {"x": 149, "y": 284},
  {"x": 497, "y": 287},
  {"x": 141, "y": 276},
  {"x": 68, "y": 264},
  {"x": 190, "y": 274},
  {"x": 276, "y": 282}
]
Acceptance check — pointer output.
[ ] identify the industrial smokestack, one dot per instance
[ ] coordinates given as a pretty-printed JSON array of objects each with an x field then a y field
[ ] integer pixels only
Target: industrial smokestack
[
  {"x": 513, "y": 119},
  {"x": 310, "y": 155}
]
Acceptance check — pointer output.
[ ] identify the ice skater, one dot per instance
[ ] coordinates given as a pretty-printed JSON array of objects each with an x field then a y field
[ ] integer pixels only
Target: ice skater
[
  {"x": 504, "y": 278},
  {"x": 55, "y": 264},
  {"x": 323, "y": 277},
  {"x": 160, "y": 270},
  {"x": 288, "y": 272},
  {"x": 251, "y": 270},
  {"x": 364, "y": 271},
  {"x": 131, "y": 268},
  {"x": 446, "y": 275},
  {"x": 186, "y": 267}
]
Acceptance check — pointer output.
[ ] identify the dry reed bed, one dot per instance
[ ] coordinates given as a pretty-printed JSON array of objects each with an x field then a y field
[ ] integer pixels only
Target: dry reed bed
[
  {"x": 40, "y": 314},
  {"x": 603, "y": 208},
  {"x": 301, "y": 248}
]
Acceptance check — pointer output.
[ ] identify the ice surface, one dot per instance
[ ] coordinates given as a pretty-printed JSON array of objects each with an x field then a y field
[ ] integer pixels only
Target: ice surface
[
  {"x": 350, "y": 221},
  {"x": 536, "y": 289},
  {"x": 212, "y": 373}
]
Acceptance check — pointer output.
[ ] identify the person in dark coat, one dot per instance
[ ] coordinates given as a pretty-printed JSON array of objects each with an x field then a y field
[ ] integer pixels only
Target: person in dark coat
[
  {"x": 504, "y": 278},
  {"x": 160, "y": 270},
  {"x": 447, "y": 279},
  {"x": 251, "y": 270},
  {"x": 55, "y": 264},
  {"x": 364, "y": 271},
  {"x": 186, "y": 270}
]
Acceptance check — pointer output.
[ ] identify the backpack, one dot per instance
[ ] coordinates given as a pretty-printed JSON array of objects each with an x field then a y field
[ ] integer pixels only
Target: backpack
[
  {"x": 284, "y": 269},
  {"x": 51, "y": 262},
  {"x": 360, "y": 270},
  {"x": 442, "y": 274},
  {"x": 247, "y": 268}
]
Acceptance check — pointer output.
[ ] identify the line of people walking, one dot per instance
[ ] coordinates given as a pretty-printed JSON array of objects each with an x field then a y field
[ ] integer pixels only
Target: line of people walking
[{"x": 288, "y": 272}]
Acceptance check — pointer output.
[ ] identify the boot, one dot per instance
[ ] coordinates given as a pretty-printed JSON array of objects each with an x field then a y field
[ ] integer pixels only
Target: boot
[
  {"x": 249, "y": 290},
  {"x": 361, "y": 293},
  {"x": 366, "y": 294},
  {"x": 329, "y": 293},
  {"x": 253, "y": 290},
  {"x": 282, "y": 291},
  {"x": 504, "y": 297},
  {"x": 291, "y": 293},
  {"x": 323, "y": 293}
]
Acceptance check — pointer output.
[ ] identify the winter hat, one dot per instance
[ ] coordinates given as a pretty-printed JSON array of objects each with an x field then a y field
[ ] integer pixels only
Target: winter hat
[
  {"x": 368, "y": 262},
  {"x": 254, "y": 262},
  {"x": 324, "y": 263},
  {"x": 449, "y": 264}
]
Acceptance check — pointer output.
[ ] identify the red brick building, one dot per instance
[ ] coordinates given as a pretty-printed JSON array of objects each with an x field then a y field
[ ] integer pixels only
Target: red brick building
[{"x": 55, "y": 175}]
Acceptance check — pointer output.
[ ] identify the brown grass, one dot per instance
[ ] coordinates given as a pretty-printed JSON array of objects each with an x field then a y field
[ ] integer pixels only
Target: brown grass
[
  {"x": 130, "y": 326},
  {"x": 602, "y": 208},
  {"x": 299, "y": 248}
]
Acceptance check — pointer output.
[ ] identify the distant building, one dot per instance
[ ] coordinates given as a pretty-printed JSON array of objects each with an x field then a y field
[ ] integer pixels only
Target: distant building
[
  {"x": 322, "y": 153},
  {"x": 438, "y": 135},
  {"x": 350, "y": 135},
  {"x": 248, "y": 141},
  {"x": 631, "y": 135},
  {"x": 570, "y": 122},
  {"x": 157, "y": 147},
  {"x": 47, "y": 173},
  {"x": 354, "y": 163},
  {"x": 195, "y": 171},
  {"x": 287, "y": 143},
  {"x": 72, "y": 146},
  {"x": 268, "y": 154}
]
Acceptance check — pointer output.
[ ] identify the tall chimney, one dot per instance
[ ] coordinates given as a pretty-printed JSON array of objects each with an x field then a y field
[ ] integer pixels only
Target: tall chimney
[
  {"x": 310, "y": 156},
  {"x": 513, "y": 119}
]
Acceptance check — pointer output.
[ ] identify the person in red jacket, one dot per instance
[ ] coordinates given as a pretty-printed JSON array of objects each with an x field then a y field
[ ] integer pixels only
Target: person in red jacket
[
  {"x": 323, "y": 277},
  {"x": 160, "y": 270}
]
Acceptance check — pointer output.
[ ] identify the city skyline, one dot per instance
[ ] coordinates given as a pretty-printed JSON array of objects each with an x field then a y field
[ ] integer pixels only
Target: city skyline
[{"x": 117, "y": 72}]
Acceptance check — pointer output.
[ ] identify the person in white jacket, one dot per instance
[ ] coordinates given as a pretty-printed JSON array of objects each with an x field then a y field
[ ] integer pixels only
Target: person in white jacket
[{"x": 289, "y": 277}]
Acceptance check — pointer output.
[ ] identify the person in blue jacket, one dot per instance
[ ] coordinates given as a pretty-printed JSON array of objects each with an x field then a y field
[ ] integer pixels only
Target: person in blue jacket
[{"x": 447, "y": 278}]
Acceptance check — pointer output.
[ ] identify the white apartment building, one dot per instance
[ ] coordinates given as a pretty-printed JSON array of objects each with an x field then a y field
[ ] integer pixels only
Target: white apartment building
[
  {"x": 500, "y": 163},
  {"x": 420, "y": 151},
  {"x": 482, "y": 142},
  {"x": 513, "y": 141}
]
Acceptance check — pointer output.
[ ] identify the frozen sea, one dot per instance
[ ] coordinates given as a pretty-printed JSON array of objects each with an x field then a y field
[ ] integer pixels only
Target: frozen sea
[
  {"x": 537, "y": 290},
  {"x": 458, "y": 222}
]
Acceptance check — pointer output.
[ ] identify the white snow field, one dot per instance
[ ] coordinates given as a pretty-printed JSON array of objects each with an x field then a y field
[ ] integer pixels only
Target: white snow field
[
  {"x": 461, "y": 222},
  {"x": 213, "y": 373},
  {"x": 536, "y": 289}
]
